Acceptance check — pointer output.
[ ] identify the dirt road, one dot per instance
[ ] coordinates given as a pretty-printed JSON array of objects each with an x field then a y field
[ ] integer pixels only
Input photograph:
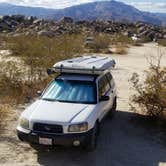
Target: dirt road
[{"x": 124, "y": 140}]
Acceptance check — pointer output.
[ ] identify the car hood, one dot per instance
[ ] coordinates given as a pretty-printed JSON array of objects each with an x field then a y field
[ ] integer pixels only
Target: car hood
[{"x": 54, "y": 112}]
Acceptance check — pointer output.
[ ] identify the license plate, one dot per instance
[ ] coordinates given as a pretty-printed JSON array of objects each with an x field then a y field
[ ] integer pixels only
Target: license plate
[{"x": 45, "y": 141}]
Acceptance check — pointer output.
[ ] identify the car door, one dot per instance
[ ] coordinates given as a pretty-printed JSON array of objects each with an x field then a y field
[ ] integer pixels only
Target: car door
[{"x": 104, "y": 89}]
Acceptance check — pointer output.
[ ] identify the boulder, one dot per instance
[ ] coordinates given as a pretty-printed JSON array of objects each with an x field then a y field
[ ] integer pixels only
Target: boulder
[
  {"x": 141, "y": 29},
  {"x": 46, "y": 33},
  {"x": 151, "y": 35},
  {"x": 18, "y": 18},
  {"x": 66, "y": 20},
  {"x": 4, "y": 26},
  {"x": 38, "y": 21}
]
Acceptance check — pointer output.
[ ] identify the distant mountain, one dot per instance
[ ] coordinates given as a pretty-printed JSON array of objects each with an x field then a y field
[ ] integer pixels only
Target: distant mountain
[
  {"x": 9, "y": 9},
  {"x": 106, "y": 10},
  {"x": 162, "y": 17}
]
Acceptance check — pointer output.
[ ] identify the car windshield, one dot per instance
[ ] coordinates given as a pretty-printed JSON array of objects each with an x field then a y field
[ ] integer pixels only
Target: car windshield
[{"x": 71, "y": 91}]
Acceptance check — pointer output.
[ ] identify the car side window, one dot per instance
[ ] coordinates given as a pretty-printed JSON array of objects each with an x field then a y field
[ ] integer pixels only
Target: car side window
[
  {"x": 104, "y": 86},
  {"x": 109, "y": 78}
]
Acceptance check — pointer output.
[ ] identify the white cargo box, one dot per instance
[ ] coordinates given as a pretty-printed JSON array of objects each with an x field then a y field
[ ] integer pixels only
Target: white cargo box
[{"x": 85, "y": 65}]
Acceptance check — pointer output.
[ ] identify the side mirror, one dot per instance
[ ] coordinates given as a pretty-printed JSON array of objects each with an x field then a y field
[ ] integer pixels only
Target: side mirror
[
  {"x": 104, "y": 98},
  {"x": 50, "y": 71},
  {"x": 39, "y": 93}
]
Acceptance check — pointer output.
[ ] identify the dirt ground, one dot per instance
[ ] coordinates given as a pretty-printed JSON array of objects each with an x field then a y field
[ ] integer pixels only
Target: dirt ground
[{"x": 124, "y": 140}]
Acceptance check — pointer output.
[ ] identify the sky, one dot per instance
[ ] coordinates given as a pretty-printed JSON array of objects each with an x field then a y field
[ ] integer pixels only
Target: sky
[{"x": 145, "y": 5}]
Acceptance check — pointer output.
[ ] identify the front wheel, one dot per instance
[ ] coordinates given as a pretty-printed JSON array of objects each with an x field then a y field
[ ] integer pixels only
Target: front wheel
[
  {"x": 92, "y": 143},
  {"x": 113, "y": 109}
]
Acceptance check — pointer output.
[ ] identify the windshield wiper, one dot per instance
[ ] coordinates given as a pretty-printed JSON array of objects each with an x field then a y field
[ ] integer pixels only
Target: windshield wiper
[{"x": 47, "y": 99}]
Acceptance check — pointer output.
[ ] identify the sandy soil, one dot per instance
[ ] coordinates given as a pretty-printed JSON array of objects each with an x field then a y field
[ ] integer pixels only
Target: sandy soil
[{"x": 123, "y": 141}]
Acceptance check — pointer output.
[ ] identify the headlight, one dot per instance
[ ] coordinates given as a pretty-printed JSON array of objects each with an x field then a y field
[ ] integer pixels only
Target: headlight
[
  {"x": 24, "y": 123},
  {"x": 78, "y": 127}
]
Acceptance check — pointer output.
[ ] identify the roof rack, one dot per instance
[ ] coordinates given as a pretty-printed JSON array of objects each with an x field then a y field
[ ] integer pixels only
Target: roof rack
[{"x": 84, "y": 65}]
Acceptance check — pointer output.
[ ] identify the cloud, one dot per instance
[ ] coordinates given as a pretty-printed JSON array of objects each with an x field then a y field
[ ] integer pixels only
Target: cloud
[
  {"x": 150, "y": 6},
  {"x": 47, "y": 3}
]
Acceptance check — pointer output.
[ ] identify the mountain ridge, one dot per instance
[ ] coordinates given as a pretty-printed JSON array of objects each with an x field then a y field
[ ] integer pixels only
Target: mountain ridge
[{"x": 107, "y": 10}]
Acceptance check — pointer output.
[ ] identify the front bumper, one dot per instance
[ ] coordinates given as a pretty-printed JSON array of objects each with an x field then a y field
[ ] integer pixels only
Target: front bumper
[{"x": 57, "y": 139}]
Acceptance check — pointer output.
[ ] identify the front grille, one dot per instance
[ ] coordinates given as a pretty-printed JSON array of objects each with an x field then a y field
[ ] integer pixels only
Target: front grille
[{"x": 49, "y": 128}]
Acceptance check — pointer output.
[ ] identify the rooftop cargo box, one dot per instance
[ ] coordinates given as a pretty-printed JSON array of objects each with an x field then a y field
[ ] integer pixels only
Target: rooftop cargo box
[{"x": 84, "y": 65}]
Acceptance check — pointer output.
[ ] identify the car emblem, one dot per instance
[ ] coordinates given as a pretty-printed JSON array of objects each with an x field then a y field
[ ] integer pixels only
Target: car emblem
[{"x": 47, "y": 128}]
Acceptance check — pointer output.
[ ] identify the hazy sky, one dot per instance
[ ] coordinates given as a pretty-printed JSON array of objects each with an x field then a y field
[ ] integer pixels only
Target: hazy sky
[{"x": 146, "y": 5}]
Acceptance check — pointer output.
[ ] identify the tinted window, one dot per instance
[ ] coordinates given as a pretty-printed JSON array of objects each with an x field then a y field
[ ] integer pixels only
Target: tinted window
[
  {"x": 103, "y": 86},
  {"x": 109, "y": 77}
]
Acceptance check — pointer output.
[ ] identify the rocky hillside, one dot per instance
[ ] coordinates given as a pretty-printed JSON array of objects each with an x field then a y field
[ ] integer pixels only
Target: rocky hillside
[
  {"x": 20, "y": 25},
  {"x": 106, "y": 10}
]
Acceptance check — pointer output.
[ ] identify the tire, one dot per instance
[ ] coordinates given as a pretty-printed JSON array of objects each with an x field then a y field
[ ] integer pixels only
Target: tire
[
  {"x": 20, "y": 138},
  {"x": 92, "y": 142},
  {"x": 113, "y": 109},
  {"x": 37, "y": 147}
]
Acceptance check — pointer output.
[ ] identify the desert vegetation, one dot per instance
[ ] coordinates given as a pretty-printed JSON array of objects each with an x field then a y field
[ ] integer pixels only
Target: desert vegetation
[
  {"x": 16, "y": 87},
  {"x": 150, "y": 94},
  {"x": 103, "y": 42},
  {"x": 99, "y": 43},
  {"x": 121, "y": 39},
  {"x": 5, "y": 111},
  {"x": 20, "y": 79},
  {"x": 121, "y": 49},
  {"x": 162, "y": 42}
]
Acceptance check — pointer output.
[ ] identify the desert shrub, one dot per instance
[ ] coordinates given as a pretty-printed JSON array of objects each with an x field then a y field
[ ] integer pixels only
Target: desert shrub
[
  {"x": 121, "y": 49},
  {"x": 145, "y": 39},
  {"x": 162, "y": 42},
  {"x": 120, "y": 39},
  {"x": 137, "y": 43},
  {"x": 4, "y": 113},
  {"x": 42, "y": 52},
  {"x": 150, "y": 96},
  {"x": 15, "y": 87},
  {"x": 100, "y": 43},
  {"x": 19, "y": 83}
]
